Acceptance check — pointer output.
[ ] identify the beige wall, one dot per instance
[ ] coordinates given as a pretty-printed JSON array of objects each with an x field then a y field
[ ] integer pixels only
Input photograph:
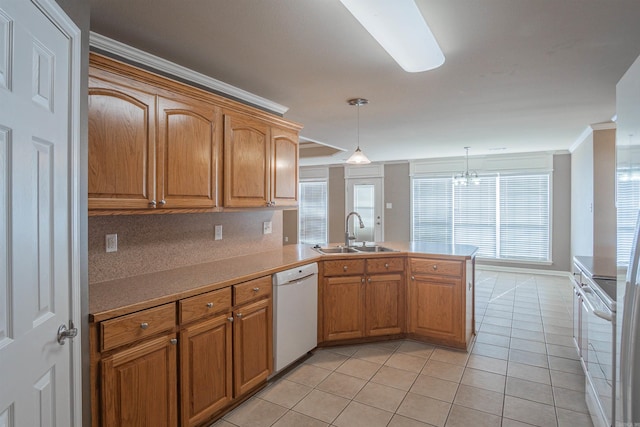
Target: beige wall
[
  {"x": 148, "y": 243},
  {"x": 290, "y": 227},
  {"x": 593, "y": 212},
  {"x": 336, "y": 204},
  {"x": 397, "y": 191}
]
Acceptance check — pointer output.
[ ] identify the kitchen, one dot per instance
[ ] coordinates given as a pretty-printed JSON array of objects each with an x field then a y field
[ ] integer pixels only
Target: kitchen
[{"x": 182, "y": 234}]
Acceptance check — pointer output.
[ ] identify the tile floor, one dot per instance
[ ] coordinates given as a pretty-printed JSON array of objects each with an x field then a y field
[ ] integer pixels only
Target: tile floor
[{"x": 522, "y": 370}]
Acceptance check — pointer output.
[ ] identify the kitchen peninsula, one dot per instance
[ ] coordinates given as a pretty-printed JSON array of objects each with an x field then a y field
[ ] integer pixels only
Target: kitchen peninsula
[{"x": 218, "y": 317}]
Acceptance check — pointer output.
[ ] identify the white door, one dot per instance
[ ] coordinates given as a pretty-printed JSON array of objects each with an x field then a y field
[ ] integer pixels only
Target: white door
[
  {"x": 364, "y": 195},
  {"x": 39, "y": 75}
]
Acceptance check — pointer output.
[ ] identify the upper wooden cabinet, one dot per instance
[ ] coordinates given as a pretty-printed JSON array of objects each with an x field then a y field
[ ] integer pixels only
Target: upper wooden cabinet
[
  {"x": 158, "y": 144},
  {"x": 260, "y": 163},
  {"x": 189, "y": 153},
  {"x": 122, "y": 144}
]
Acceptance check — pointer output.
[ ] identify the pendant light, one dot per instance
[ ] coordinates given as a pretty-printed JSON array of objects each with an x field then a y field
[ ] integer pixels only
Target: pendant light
[
  {"x": 466, "y": 177},
  {"x": 358, "y": 157}
]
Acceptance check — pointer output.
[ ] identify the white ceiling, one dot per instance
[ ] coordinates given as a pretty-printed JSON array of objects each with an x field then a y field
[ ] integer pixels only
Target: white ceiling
[{"x": 523, "y": 75}]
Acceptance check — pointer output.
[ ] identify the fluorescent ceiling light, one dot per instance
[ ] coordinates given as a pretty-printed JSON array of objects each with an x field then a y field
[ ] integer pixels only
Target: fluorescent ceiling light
[{"x": 401, "y": 30}]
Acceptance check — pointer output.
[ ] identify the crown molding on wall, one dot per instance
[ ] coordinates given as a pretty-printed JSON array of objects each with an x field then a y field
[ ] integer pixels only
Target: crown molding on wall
[
  {"x": 588, "y": 131},
  {"x": 136, "y": 55}
]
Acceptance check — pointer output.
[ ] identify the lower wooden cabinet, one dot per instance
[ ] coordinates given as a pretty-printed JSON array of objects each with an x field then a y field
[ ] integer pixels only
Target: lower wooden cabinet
[
  {"x": 252, "y": 345},
  {"x": 362, "y": 298},
  {"x": 439, "y": 301},
  {"x": 139, "y": 385},
  {"x": 206, "y": 370},
  {"x": 151, "y": 370}
]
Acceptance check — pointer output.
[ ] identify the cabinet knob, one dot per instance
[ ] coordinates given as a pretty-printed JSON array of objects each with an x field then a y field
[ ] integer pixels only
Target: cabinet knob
[
  {"x": 144, "y": 325},
  {"x": 173, "y": 341},
  {"x": 256, "y": 289},
  {"x": 345, "y": 268},
  {"x": 152, "y": 203},
  {"x": 230, "y": 319},
  {"x": 362, "y": 280},
  {"x": 239, "y": 315},
  {"x": 273, "y": 203},
  {"x": 435, "y": 266},
  {"x": 369, "y": 280},
  {"x": 209, "y": 304},
  {"x": 162, "y": 202},
  {"x": 413, "y": 277},
  {"x": 386, "y": 265}
]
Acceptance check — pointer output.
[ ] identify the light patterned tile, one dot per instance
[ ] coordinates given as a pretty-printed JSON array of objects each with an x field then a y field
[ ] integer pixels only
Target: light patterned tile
[
  {"x": 424, "y": 409},
  {"x": 285, "y": 393},
  {"x": 326, "y": 359},
  {"x": 479, "y": 399},
  {"x": 529, "y": 358},
  {"x": 359, "y": 415},
  {"x": 570, "y": 399},
  {"x": 255, "y": 413},
  {"x": 359, "y": 368},
  {"x": 400, "y": 421},
  {"x": 435, "y": 387},
  {"x": 499, "y": 340},
  {"x": 406, "y": 362},
  {"x": 489, "y": 350},
  {"x": 295, "y": 419},
  {"x": 397, "y": 378},
  {"x": 537, "y": 414},
  {"x": 490, "y": 364},
  {"x": 417, "y": 349},
  {"x": 381, "y": 396},
  {"x": 565, "y": 365},
  {"x": 529, "y": 373},
  {"x": 377, "y": 355},
  {"x": 529, "y": 390},
  {"x": 322, "y": 406},
  {"x": 442, "y": 370},
  {"x": 567, "y": 380},
  {"x": 308, "y": 375},
  {"x": 568, "y": 418},
  {"x": 484, "y": 380},
  {"x": 455, "y": 357},
  {"x": 461, "y": 416},
  {"x": 342, "y": 385}
]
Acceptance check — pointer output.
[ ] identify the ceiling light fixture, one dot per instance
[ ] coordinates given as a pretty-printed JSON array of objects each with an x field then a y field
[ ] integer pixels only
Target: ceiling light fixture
[
  {"x": 401, "y": 30},
  {"x": 358, "y": 157},
  {"x": 466, "y": 177}
]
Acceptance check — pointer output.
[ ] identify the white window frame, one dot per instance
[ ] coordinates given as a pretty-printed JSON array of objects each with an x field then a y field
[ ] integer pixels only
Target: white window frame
[{"x": 315, "y": 174}]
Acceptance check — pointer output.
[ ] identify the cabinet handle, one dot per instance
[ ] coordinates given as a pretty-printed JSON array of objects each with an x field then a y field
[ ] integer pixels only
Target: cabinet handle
[
  {"x": 230, "y": 319},
  {"x": 345, "y": 268},
  {"x": 239, "y": 315},
  {"x": 435, "y": 266},
  {"x": 273, "y": 203},
  {"x": 162, "y": 202},
  {"x": 256, "y": 289},
  {"x": 386, "y": 265},
  {"x": 173, "y": 341},
  {"x": 152, "y": 203},
  {"x": 209, "y": 304},
  {"x": 144, "y": 325}
]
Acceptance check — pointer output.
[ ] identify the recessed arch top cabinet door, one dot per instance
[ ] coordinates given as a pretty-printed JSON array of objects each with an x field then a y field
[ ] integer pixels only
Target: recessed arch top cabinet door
[
  {"x": 189, "y": 153},
  {"x": 247, "y": 162},
  {"x": 284, "y": 169},
  {"x": 122, "y": 144}
]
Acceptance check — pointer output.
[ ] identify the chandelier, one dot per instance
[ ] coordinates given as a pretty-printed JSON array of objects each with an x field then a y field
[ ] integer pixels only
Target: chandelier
[{"x": 466, "y": 177}]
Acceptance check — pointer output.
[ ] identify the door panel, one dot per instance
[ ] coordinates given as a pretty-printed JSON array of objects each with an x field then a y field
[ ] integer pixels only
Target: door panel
[
  {"x": 284, "y": 177},
  {"x": 38, "y": 212},
  {"x": 364, "y": 195}
]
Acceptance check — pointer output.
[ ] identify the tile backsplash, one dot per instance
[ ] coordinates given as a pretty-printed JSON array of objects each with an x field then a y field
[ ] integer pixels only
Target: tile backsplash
[{"x": 148, "y": 243}]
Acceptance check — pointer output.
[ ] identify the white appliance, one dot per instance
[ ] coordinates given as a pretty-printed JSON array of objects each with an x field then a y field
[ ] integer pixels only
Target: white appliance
[
  {"x": 629, "y": 353},
  {"x": 295, "y": 328}
]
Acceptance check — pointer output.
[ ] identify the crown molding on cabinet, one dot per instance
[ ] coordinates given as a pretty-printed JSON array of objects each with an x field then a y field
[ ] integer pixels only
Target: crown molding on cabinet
[
  {"x": 136, "y": 55},
  {"x": 588, "y": 131}
]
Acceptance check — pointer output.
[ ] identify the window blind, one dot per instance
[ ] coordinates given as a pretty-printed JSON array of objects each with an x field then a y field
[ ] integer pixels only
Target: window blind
[
  {"x": 628, "y": 203},
  {"x": 505, "y": 216},
  {"x": 312, "y": 212}
]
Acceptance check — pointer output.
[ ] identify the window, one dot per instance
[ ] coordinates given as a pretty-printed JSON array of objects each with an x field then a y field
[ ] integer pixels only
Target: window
[
  {"x": 507, "y": 216},
  {"x": 312, "y": 212},
  {"x": 628, "y": 203}
]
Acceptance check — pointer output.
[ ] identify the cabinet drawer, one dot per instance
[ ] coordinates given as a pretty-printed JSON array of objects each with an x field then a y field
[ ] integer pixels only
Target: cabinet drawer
[
  {"x": 204, "y": 305},
  {"x": 252, "y": 290},
  {"x": 344, "y": 267},
  {"x": 136, "y": 326},
  {"x": 385, "y": 265},
  {"x": 436, "y": 267}
]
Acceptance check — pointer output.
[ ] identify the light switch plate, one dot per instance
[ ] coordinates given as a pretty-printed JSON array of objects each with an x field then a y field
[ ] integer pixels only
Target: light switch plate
[
  {"x": 266, "y": 227},
  {"x": 111, "y": 242},
  {"x": 217, "y": 234}
]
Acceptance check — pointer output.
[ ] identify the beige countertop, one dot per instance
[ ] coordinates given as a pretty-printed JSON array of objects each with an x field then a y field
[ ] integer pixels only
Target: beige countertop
[{"x": 122, "y": 296}]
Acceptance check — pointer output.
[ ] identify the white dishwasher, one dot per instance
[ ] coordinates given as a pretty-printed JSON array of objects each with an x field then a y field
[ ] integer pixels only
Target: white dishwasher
[{"x": 295, "y": 323}]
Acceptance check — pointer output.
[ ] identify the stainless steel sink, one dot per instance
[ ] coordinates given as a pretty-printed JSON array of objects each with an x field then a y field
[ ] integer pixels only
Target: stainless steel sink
[
  {"x": 336, "y": 250},
  {"x": 375, "y": 248}
]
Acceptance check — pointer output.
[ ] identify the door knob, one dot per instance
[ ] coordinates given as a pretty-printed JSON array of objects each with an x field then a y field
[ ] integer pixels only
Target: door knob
[{"x": 64, "y": 332}]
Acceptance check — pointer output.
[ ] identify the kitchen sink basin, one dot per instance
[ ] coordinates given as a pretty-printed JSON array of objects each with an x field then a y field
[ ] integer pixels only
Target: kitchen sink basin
[
  {"x": 337, "y": 250},
  {"x": 375, "y": 248}
]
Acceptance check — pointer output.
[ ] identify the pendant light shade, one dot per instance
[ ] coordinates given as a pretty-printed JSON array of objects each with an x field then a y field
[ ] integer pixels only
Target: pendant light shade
[{"x": 358, "y": 157}]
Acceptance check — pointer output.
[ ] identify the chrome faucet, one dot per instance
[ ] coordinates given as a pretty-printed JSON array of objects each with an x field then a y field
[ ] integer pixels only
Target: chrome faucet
[{"x": 347, "y": 236}]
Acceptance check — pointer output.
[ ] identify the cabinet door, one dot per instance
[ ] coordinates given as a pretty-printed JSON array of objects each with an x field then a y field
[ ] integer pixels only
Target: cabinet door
[
  {"x": 189, "y": 153},
  {"x": 121, "y": 145},
  {"x": 205, "y": 369},
  {"x": 252, "y": 345},
  {"x": 343, "y": 306},
  {"x": 385, "y": 304},
  {"x": 139, "y": 385},
  {"x": 436, "y": 309},
  {"x": 247, "y": 163},
  {"x": 284, "y": 168}
]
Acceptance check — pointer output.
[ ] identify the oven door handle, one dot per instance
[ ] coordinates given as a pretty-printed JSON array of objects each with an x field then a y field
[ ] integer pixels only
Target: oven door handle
[{"x": 585, "y": 291}]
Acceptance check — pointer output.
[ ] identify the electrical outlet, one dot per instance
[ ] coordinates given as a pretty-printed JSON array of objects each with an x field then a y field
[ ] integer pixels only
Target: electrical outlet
[
  {"x": 111, "y": 243},
  {"x": 217, "y": 235},
  {"x": 266, "y": 227}
]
